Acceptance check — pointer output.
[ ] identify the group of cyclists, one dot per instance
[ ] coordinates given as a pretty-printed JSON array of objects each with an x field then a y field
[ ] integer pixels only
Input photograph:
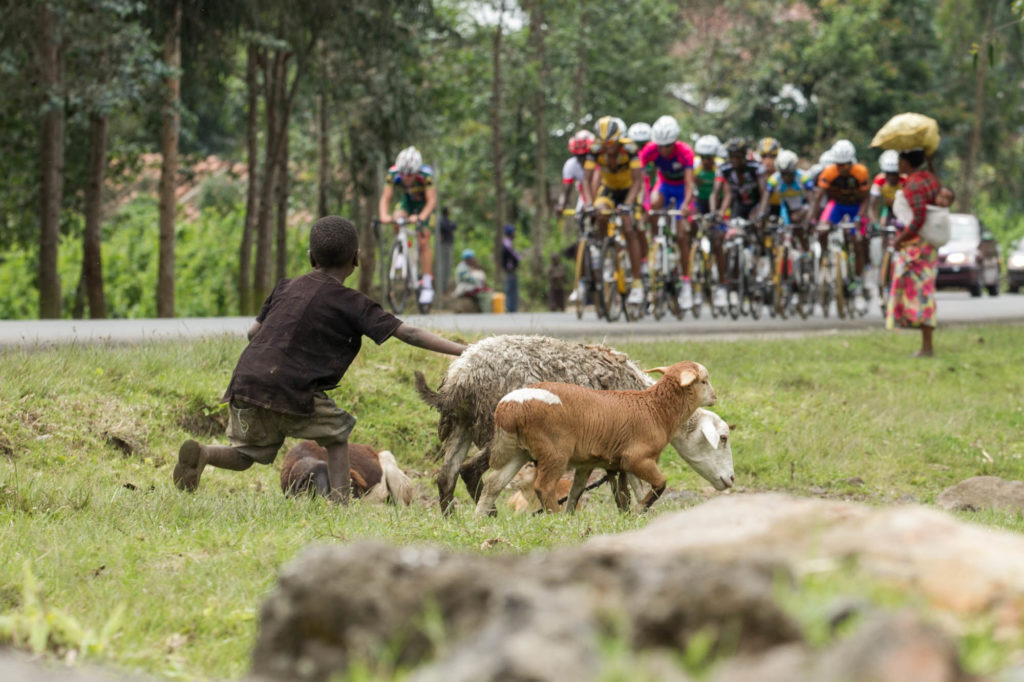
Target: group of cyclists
[
  {"x": 639, "y": 172},
  {"x": 642, "y": 169}
]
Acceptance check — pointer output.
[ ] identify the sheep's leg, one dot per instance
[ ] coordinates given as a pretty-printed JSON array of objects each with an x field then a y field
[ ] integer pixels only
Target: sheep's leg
[
  {"x": 549, "y": 470},
  {"x": 495, "y": 481},
  {"x": 637, "y": 485},
  {"x": 455, "y": 448},
  {"x": 579, "y": 482},
  {"x": 472, "y": 472},
  {"x": 646, "y": 469},
  {"x": 620, "y": 492}
]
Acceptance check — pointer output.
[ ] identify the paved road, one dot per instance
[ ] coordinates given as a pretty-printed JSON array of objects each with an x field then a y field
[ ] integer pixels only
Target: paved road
[{"x": 954, "y": 308}]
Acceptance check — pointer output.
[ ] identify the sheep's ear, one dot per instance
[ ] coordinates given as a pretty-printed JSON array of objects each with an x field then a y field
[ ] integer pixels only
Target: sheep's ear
[
  {"x": 659, "y": 370},
  {"x": 687, "y": 377},
  {"x": 710, "y": 433}
]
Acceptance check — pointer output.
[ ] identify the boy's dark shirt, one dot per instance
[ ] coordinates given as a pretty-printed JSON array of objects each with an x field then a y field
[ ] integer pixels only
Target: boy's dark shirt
[{"x": 311, "y": 331}]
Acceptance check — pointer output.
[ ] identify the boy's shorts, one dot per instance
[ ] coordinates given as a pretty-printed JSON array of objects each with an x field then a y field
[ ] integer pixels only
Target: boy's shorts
[{"x": 258, "y": 433}]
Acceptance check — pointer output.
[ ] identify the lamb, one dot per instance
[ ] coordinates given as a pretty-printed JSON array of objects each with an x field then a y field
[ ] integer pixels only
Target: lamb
[
  {"x": 563, "y": 425},
  {"x": 493, "y": 367},
  {"x": 375, "y": 475}
]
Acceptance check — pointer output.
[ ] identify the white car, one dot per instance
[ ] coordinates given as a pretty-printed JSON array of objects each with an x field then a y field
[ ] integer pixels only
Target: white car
[{"x": 970, "y": 258}]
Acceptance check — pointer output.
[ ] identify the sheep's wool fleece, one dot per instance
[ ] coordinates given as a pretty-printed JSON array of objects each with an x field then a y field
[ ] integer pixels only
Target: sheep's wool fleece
[{"x": 490, "y": 369}]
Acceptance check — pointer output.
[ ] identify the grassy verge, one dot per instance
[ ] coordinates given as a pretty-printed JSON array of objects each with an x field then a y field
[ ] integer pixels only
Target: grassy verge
[{"x": 88, "y": 437}]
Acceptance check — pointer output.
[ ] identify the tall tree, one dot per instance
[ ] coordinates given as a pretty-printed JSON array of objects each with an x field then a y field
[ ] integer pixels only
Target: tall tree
[
  {"x": 50, "y": 68},
  {"x": 169, "y": 131},
  {"x": 497, "y": 148}
]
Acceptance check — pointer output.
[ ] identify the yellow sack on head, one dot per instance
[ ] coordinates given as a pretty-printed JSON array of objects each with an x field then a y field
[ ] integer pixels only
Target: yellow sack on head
[{"x": 908, "y": 131}]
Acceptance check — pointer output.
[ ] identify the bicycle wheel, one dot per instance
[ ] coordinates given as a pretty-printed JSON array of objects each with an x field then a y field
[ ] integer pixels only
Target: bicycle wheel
[
  {"x": 581, "y": 294},
  {"x": 397, "y": 283},
  {"x": 656, "y": 259},
  {"x": 611, "y": 297},
  {"x": 734, "y": 288},
  {"x": 624, "y": 277},
  {"x": 593, "y": 287},
  {"x": 885, "y": 281},
  {"x": 698, "y": 281},
  {"x": 781, "y": 287},
  {"x": 826, "y": 284},
  {"x": 803, "y": 287},
  {"x": 842, "y": 284}
]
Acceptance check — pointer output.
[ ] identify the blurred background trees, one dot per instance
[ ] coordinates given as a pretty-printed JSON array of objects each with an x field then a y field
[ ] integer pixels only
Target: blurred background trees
[{"x": 166, "y": 157}]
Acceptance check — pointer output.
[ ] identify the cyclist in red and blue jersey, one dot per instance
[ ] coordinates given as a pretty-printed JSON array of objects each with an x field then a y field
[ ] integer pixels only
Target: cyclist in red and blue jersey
[
  {"x": 674, "y": 162},
  {"x": 419, "y": 197}
]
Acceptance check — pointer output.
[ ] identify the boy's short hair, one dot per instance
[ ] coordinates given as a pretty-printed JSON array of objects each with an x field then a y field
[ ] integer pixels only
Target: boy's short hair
[
  {"x": 947, "y": 188},
  {"x": 333, "y": 241}
]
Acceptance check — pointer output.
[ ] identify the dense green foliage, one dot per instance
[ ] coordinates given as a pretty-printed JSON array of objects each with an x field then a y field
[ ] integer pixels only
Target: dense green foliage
[
  {"x": 383, "y": 75},
  {"x": 88, "y": 437}
]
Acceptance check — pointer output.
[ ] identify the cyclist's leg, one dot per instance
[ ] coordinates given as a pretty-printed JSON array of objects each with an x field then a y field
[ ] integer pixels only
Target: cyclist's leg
[{"x": 657, "y": 203}]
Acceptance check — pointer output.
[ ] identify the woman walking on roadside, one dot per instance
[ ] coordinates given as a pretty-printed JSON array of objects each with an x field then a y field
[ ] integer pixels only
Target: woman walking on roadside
[{"x": 912, "y": 299}]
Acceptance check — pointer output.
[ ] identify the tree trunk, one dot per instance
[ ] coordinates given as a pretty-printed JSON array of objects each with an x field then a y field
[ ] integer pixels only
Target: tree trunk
[
  {"x": 252, "y": 199},
  {"x": 539, "y": 236},
  {"x": 498, "y": 157},
  {"x": 279, "y": 97},
  {"x": 324, "y": 144},
  {"x": 49, "y": 59},
  {"x": 169, "y": 167},
  {"x": 970, "y": 165},
  {"x": 282, "y": 206},
  {"x": 579, "y": 84},
  {"x": 92, "y": 265}
]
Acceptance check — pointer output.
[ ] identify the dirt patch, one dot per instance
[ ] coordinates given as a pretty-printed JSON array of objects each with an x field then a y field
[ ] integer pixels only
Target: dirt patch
[{"x": 203, "y": 421}]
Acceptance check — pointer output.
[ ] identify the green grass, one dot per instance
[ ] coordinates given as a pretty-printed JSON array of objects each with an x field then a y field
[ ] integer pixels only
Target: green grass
[{"x": 88, "y": 437}]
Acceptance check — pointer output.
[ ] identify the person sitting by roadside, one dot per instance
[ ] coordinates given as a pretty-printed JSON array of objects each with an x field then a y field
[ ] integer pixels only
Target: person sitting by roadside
[{"x": 470, "y": 283}]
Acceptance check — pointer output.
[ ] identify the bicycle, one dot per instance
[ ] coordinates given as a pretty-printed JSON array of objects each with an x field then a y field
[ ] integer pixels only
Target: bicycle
[
  {"x": 587, "y": 275},
  {"x": 887, "y": 267},
  {"x": 832, "y": 270},
  {"x": 403, "y": 275},
  {"x": 852, "y": 288},
  {"x": 616, "y": 275},
  {"x": 704, "y": 268},
  {"x": 738, "y": 267},
  {"x": 664, "y": 261}
]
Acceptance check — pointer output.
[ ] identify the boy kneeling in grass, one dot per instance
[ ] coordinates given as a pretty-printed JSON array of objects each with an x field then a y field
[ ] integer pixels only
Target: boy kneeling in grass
[{"x": 306, "y": 335}]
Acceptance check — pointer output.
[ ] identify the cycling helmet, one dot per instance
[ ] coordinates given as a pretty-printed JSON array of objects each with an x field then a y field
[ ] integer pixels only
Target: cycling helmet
[
  {"x": 889, "y": 161},
  {"x": 707, "y": 145},
  {"x": 786, "y": 162},
  {"x": 826, "y": 158},
  {"x": 639, "y": 132},
  {"x": 580, "y": 142},
  {"x": 665, "y": 130},
  {"x": 736, "y": 145},
  {"x": 768, "y": 146},
  {"x": 610, "y": 129},
  {"x": 843, "y": 151},
  {"x": 409, "y": 160}
]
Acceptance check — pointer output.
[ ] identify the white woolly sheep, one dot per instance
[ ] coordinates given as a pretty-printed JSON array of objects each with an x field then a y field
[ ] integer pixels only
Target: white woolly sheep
[
  {"x": 493, "y": 367},
  {"x": 562, "y": 426}
]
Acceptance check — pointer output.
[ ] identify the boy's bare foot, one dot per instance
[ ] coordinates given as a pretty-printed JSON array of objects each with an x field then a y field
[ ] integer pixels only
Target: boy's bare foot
[{"x": 189, "y": 466}]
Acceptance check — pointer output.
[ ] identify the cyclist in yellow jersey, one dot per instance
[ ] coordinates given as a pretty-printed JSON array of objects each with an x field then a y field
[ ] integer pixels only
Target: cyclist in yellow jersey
[{"x": 612, "y": 177}]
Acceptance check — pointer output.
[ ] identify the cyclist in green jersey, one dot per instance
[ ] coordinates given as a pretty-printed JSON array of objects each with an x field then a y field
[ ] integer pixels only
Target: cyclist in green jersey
[{"x": 707, "y": 198}]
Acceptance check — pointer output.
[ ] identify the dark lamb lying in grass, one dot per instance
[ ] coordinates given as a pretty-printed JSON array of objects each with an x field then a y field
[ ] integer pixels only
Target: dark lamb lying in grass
[{"x": 375, "y": 475}]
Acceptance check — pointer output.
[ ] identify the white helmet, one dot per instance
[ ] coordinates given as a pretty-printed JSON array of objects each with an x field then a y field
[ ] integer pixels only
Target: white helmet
[
  {"x": 826, "y": 158},
  {"x": 665, "y": 130},
  {"x": 639, "y": 132},
  {"x": 409, "y": 160},
  {"x": 889, "y": 161},
  {"x": 707, "y": 145},
  {"x": 843, "y": 151},
  {"x": 786, "y": 162}
]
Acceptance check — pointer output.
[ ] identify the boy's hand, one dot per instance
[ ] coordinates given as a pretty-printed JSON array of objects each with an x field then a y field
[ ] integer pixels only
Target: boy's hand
[{"x": 414, "y": 336}]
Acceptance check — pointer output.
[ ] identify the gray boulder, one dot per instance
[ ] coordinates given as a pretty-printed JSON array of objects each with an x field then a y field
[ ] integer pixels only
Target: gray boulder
[{"x": 981, "y": 493}]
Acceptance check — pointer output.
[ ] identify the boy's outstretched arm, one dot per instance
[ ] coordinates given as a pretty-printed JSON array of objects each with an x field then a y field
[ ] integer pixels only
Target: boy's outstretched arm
[{"x": 414, "y": 336}]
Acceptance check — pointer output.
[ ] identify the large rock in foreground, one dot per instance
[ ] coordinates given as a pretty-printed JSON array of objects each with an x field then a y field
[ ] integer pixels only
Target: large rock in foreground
[
  {"x": 504, "y": 618},
  {"x": 709, "y": 569},
  {"x": 959, "y": 567}
]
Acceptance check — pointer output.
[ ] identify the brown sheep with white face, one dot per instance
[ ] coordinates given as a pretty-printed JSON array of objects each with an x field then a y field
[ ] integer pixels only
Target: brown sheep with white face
[{"x": 563, "y": 426}]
